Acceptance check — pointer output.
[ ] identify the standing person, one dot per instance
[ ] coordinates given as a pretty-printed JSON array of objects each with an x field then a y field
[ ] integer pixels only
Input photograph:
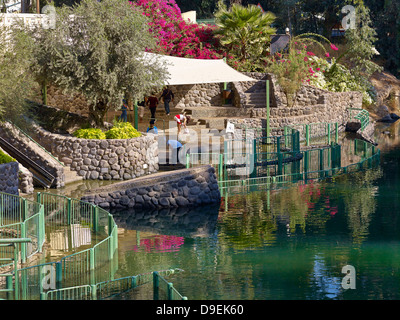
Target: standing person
[
  {"x": 152, "y": 102},
  {"x": 124, "y": 115},
  {"x": 181, "y": 121},
  {"x": 167, "y": 96}
]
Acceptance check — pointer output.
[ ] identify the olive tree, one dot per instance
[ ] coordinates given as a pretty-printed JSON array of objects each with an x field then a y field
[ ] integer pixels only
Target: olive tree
[
  {"x": 16, "y": 81},
  {"x": 97, "y": 49}
]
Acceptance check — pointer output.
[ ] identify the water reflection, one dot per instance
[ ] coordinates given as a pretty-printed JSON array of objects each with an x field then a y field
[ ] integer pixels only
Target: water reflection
[
  {"x": 281, "y": 244},
  {"x": 189, "y": 222},
  {"x": 61, "y": 241}
]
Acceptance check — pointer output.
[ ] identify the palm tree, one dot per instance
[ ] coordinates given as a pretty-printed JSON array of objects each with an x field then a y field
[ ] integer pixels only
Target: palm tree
[{"x": 245, "y": 31}]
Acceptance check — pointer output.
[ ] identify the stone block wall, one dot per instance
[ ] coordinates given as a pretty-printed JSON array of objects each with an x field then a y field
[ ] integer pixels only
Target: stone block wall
[
  {"x": 73, "y": 103},
  {"x": 181, "y": 188},
  {"x": 311, "y": 104},
  {"x": 189, "y": 96},
  {"x": 9, "y": 181},
  {"x": 25, "y": 181},
  {"x": 110, "y": 159},
  {"x": 186, "y": 96}
]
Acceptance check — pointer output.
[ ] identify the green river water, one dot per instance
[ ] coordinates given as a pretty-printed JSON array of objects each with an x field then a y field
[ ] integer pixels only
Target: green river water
[{"x": 289, "y": 244}]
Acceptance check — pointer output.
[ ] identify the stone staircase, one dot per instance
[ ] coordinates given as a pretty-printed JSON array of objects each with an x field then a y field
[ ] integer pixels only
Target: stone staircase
[
  {"x": 212, "y": 117},
  {"x": 71, "y": 176},
  {"x": 256, "y": 96}
]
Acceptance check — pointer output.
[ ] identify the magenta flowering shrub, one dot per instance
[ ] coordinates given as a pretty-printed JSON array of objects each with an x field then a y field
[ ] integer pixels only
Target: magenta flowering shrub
[{"x": 175, "y": 36}]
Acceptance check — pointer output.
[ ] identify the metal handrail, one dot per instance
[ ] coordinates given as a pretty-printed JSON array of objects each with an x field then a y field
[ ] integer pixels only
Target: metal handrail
[
  {"x": 38, "y": 144},
  {"x": 47, "y": 178}
]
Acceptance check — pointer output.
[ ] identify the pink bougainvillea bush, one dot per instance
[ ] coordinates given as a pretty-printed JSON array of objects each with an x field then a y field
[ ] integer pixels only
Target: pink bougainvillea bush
[{"x": 175, "y": 36}]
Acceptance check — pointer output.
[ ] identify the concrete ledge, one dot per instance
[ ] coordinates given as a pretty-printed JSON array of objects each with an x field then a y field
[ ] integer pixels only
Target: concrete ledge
[{"x": 181, "y": 188}]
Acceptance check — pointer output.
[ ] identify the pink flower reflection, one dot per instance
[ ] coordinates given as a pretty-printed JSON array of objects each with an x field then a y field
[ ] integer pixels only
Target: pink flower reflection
[{"x": 160, "y": 243}]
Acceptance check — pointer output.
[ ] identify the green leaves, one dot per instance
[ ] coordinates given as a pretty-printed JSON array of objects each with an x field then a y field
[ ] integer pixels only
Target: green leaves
[
  {"x": 91, "y": 133},
  {"x": 360, "y": 43},
  {"x": 16, "y": 82},
  {"x": 120, "y": 130},
  {"x": 4, "y": 158},
  {"x": 245, "y": 31},
  {"x": 95, "y": 49}
]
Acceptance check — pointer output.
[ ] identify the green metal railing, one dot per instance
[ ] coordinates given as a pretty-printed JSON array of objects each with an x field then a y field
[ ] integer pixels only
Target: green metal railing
[
  {"x": 164, "y": 290},
  {"x": 326, "y": 164},
  {"x": 81, "y": 268},
  {"x": 114, "y": 288},
  {"x": 21, "y": 218},
  {"x": 81, "y": 275},
  {"x": 15, "y": 246},
  {"x": 36, "y": 143},
  {"x": 323, "y": 133},
  {"x": 361, "y": 115},
  {"x": 279, "y": 160}
]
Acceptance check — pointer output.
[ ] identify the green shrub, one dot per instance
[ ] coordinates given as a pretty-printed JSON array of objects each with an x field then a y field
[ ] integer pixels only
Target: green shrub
[
  {"x": 122, "y": 130},
  {"x": 4, "y": 158},
  {"x": 91, "y": 133}
]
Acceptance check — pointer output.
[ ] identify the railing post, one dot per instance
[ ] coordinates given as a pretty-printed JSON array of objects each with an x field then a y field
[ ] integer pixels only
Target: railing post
[
  {"x": 9, "y": 287},
  {"x": 92, "y": 265},
  {"x": 16, "y": 274},
  {"x": 136, "y": 118},
  {"x": 59, "y": 275},
  {"x": 221, "y": 166},
  {"x": 93, "y": 292},
  {"x": 279, "y": 154},
  {"x": 69, "y": 209},
  {"x": 133, "y": 282},
  {"x": 187, "y": 160},
  {"x": 337, "y": 132},
  {"x": 42, "y": 228},
  {"x": 95, "y": 211},
  {"x": 329, "y": 133},
  {"x": 39, "y": 197},
  {"x": 24, "y": 211},
  {"x": 286, "y": 134},
  {"x": 155, "y": 285},
  {"x": 307, "y": 135},
  {"x": 365, "y": 148},
  {"x": 170, "y": 289},
  {"x": 23, "y": 245},
  {"x": 321, "y": 162}
]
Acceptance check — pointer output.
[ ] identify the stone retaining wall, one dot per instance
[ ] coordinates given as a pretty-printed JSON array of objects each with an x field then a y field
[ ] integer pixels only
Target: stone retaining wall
[
  {"x": 312, "y": 105},
  {"x": 181, "y": 188},
  {"x": 110, "y": 159},
  {"x": 9, "y": 178},
  {"x": 185, "y": 96},
  {"x": 25, "y": 181}
]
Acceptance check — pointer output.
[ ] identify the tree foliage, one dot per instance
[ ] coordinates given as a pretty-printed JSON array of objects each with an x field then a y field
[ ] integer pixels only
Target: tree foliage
[
  {"x": 175, "y": 36},
  {"x": 97, "y": 49},
  {"x": 361, "y": 45},
  {"x": 16, "y": 82},
  {"x": 246, "y": 31}
]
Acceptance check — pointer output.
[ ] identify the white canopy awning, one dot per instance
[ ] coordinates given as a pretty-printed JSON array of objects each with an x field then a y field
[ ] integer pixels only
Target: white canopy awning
[{"x": 194, "y": 71}]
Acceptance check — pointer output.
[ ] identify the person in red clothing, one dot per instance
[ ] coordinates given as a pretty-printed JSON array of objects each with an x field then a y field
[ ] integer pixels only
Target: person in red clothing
[
  {"x": 152, "y": 102},
  {"x": 182, "y": 121}
]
